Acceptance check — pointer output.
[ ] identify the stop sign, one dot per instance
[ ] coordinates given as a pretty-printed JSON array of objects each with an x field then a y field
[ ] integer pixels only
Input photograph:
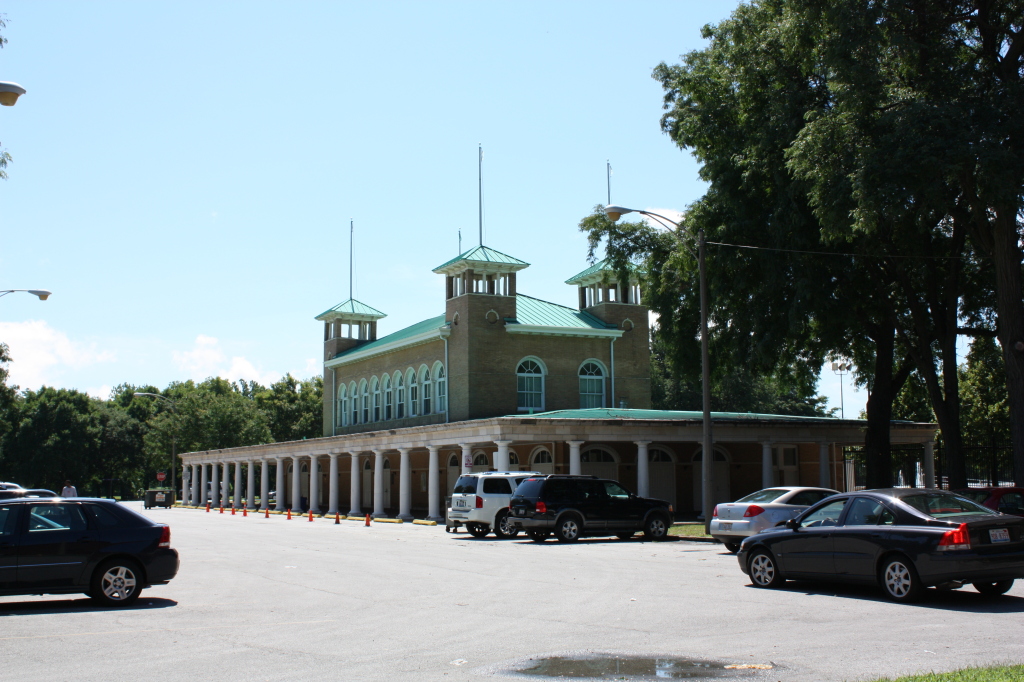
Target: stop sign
[{"x": 160, "y": 476}]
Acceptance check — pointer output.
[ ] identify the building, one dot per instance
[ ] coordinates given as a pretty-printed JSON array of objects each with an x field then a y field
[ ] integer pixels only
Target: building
[{"x": 505, "y": 381}]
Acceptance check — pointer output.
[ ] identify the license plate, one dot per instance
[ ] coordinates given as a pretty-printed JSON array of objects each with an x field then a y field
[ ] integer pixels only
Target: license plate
[
  {"x": 726, "y": 526},
  {"x": 460, "y": 503},
  {"x": 999, "y": 535},
  {"x": 520, "y": 512}
]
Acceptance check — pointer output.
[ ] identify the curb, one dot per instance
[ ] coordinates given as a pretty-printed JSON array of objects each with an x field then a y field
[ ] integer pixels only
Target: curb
[
  {"x": 423, "y": 522},
  {"x": 382, "y": 520}
]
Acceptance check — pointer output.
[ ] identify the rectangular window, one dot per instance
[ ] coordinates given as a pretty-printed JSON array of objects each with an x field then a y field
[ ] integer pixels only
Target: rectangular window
[
  {"x": 413, "y": 399},
  {"x": 531, "y": 393},
  {"x": 442, "y": 402},
  {"x": 591, "y": 392},
  {"x": 426, "y": 398}
]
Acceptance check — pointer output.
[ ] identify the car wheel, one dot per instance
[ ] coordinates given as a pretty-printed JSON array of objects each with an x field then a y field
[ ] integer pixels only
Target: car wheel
[
  {"x": 624, "y": 535},
  {"x": 538, "y": 535},
  {"x": 994, "y": 589},
  {"x": 655, "y": 528},
  {"x": 733, "y": 547},
  {"x": 568, "y": 529},
  {"x": 899, "y": 579},
  {"x": 503, "y": 527},
  {"x": 116, "y": 582},
  {"x": 477, "y": 530},
  {"x": 764, "y": 572}
]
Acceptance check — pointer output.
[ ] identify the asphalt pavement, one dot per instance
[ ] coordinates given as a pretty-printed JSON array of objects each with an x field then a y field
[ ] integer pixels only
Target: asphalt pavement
[{"x": 272, "y": 599}]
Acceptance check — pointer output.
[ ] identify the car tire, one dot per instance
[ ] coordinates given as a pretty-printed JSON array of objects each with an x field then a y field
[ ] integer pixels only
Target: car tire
[
  {"x": 569, "y": 528},
  {"x": 503, "y": 527},
  {"x": 764, "y": 570},
  {"x": 116, "y": 582},
  {"x": 656, "y": 527},
  {"x": 732, "y": 547},
  {"x": 994, "y": 589},
  {"x": 625, "y": 536},
  {"x": 538, "y": 535},
  {"x": 899, "y": 579},
  {"x": 477, "y": 530}
]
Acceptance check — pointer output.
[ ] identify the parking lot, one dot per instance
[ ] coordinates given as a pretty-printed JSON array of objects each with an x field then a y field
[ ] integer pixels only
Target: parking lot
[{"x": 271, "y": 599}]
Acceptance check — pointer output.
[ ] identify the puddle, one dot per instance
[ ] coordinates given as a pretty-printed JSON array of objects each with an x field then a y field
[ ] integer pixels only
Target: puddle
[{"x": 610, "y": 667}]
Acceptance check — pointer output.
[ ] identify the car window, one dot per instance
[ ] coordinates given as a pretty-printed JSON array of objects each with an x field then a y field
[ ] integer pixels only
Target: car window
[
  {"x": 615, "y": 490},
  {"x": 466, "y": 485},
  {"x": 827, "y": 515},
  {"x": 978, "y": 496},
  {"x": 561, "y": 490},
  {"x": 766, "y": 495},
  {"x": 944, "y": 505},
  {"x": 865, "y": 511},
  {"x": 49, "y": 517},
  {"x": 807, "y": 498},
  {"x": 102, "y": 517},
  {"x": 497, "y": 486},
  {"x": 530, "y": 487},
  {"x": 591, "y": 490},
  {"x": 1011, "y": 502},
  {"x": 7, "y": 515}
]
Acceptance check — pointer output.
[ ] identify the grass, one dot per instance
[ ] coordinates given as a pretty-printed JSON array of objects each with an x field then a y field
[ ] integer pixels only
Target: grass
[
  {"x": 689, "y": 530},
  {"x": 999, "y": 673}
]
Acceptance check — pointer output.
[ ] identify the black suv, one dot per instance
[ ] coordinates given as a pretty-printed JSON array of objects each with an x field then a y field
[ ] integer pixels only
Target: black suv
[{"x": 573, "y": 506}]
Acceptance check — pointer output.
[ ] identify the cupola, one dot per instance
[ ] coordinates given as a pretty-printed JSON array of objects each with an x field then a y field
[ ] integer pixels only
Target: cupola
[
  {"x": 481, "y": 270},
  {"x": 600, "y": 284},
  {"x": 348, "y": 324}
]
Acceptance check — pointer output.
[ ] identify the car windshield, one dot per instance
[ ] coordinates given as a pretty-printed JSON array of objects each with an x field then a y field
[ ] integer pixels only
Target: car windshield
[
  {"x": 766, "y": 495},
  {"x": 978, "y": 496},
  {"x": 466, "y": 485},
  {"x": 944, "y": 505}
]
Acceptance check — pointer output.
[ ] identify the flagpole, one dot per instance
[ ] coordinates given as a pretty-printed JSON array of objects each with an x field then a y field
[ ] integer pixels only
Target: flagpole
[
  {"x": 351, "y": 240},
  {"x": 609, "y": 176},
  {"x": 480, "y": 191}
]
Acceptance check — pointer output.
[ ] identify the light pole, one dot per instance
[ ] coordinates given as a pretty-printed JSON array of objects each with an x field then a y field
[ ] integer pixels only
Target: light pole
[
  {"x": 174, "y": 454},
  {"x": 43, "y": 294},
  {"x": 708, "y": 454},
  {"x": 9, "y": 93},
  {"x": 841, "y": 368}
]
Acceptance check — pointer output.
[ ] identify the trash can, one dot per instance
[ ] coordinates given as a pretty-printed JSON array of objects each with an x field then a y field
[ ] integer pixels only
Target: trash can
[{"x": 159, "y": 498}]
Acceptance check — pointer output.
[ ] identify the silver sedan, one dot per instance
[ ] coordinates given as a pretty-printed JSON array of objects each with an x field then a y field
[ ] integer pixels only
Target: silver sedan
[{"x": 733, "y": 521}]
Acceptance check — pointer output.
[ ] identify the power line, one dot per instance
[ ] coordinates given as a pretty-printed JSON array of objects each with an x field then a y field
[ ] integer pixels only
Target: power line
[{"x": 830, "y": 253}]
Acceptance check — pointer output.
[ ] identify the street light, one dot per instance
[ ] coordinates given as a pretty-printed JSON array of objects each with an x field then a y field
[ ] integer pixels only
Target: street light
[
  {"x": 9, "y": 93},
  {"x": 841, "y": 368},
  {"x": 174, "y": 454},
  {"x": 708, "y": 456},
  {"x": 43, "y": 294}
]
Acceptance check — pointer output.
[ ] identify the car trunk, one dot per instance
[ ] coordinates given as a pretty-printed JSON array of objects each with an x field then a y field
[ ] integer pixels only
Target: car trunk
[{"x": 995, "y": 535}]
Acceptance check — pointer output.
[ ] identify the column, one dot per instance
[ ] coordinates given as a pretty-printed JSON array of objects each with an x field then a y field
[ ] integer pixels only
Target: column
[
  {"x": 574, "y": 456},
  {"x": 767, "y": 475},
  {"x": 824, "y": 480},
  {"x": 215, "y": 497},
  {"x": 332, "y": 499},
  {"x": 195, "y": 485},
  {"x": 929, "y": 464},
  {"x": 264, "y": 484},
  {"x": 467, "y": 457},
  {"x": 250, "y": 484},
  {"x": 404, "y": 485},
  {"x": 433, "y": 487},
  {"x": 643, "y": 478},
  {"x": 356, "y": 502},
  {"x": 378, "y": 485},
  {"x": 237, "y": 499},
  {"x": 501, "y": 457},
  {"x": 314, "y": 484},
  {"x": 204, "y": 495},
  {"x": 280, "y": 484},
  {"x": 225, "y": 486},
  {"x": 296, "y": 485},
  {"x": 184, "y": 483}
]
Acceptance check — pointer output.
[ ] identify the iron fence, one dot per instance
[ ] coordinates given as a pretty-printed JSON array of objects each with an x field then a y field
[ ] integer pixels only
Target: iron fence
[{"x": 987, "y": 465}]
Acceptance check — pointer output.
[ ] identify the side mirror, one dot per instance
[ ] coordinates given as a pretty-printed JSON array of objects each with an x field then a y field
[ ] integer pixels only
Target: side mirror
[{"x": 792, "y": 524}]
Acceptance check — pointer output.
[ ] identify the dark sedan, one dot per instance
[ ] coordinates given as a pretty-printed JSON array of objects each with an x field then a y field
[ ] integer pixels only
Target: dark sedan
[
  {"x": 902, "y": 539},
  {"x": 99, "y": 547}
]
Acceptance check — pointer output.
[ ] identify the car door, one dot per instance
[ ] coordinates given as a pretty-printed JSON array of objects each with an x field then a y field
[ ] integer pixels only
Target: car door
[
  {"x": 55, "y": 545},
  {"x": 8, "y": 545},
  {"x": 625, "y": 511},
  {"x": 807, "y": 550},
  {"x": 857, "y": 543},
  {"x": 593, "y": 504}
]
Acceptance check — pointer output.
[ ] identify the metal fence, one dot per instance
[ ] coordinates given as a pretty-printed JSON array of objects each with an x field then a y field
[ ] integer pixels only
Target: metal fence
[{"x": 987, "y": 465}]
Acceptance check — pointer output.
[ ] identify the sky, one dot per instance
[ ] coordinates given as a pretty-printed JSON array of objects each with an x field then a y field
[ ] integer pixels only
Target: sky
[{"x": 185, "y": 173}]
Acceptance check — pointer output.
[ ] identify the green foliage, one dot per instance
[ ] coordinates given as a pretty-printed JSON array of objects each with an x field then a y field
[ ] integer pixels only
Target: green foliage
[
  {"x": 998, "y": 673},
  {"x": 294, "y": 408},
  {"x": 986, "y": 409}
]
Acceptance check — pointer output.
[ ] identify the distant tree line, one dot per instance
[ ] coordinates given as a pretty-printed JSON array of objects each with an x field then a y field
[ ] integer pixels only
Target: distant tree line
[{"x": 51, "y": 435}]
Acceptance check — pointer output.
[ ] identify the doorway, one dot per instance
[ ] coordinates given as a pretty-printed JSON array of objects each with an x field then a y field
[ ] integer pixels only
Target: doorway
[
  {"x": 722, "y": 492},
  {"x": 661, "y": 472}
]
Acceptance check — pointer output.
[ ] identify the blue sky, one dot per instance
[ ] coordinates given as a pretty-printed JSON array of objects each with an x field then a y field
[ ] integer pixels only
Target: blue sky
[{"x": 184, "y": 173}]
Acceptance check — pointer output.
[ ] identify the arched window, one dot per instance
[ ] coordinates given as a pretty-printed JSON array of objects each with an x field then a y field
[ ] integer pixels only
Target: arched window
[
  {"x": 530, "y": 386},
  {"x": 375, "y": 391},
  {"x": 354, "y": 400},
  {"x": 426, "y": 386},
  {"x": 513, "y": 458},
  {"x": 481, "y": 460},
  {"x": 388, "y": 398},
  {"x": 399, "y": 396},
  {"x": 596, "y": 456},
  {"x": 658, "y": 455},
  {"x": 542, "y": 457},
  {"x": 442, "y": 389},
  {"x": 342, "y": 418},
  {"x": 453, "y": 461},
  {"x": 365, "y": 391},
  {"x": 414, "y": 394},
  {"x": 591, "y": 385}
]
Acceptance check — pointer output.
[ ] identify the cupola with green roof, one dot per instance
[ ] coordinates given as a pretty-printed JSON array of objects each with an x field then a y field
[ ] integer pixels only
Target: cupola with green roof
[
  {"x": 347, "y": 325},
  {"x": 481, "y": 270},
  {"x": 599, "y": 284}
]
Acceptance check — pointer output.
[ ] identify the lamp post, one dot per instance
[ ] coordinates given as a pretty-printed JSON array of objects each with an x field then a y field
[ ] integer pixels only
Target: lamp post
[
  {"x": 841, "y": 368},
  {"x": 43, "y": 294},
  {"x": 174, "y": 454},
  {"x": 708, "y": 454},
  {"x": 9, "y": 93}
]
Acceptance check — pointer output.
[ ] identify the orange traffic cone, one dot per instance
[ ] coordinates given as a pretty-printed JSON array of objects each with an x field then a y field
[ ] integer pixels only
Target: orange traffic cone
[
  {"x": 367, "y": 520},
  {"x": 311, "y": 515},
  {"x": 222, "y": 509},
  {"x": 245, "y": 511},
  {"x": 337, "y": 518},
  {"x": 232, "y": 510},
  {"x": 289, "y": 514},
  {"x": 207, "y": 506},
  {"x": 266, "y": 512}
]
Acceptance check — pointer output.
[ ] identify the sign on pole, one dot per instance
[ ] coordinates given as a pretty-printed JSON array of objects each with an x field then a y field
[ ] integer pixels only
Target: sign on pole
[{"x": 161, "y": 476}]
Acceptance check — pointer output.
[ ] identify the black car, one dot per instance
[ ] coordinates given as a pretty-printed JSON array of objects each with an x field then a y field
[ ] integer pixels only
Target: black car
[
  {"x": 55, "y": 546},
  {"x": 574, "y": 506},
  {"x": 902, "y": 539}
]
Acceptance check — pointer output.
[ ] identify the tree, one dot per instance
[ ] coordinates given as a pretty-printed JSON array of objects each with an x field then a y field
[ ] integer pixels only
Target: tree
[
  {"x": 294, "y": 409},
  {"x": 986, "y": 412}
]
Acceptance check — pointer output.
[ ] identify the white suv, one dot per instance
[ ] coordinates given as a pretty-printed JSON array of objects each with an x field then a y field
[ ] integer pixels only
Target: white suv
[{"x": 480, "y": 502}]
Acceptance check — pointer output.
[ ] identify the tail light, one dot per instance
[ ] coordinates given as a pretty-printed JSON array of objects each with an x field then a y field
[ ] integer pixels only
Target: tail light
[
  {"x": 753, "y": 510},
  {"x": 165, "y": 537},
  {"x": 541, "y": 508},
  {"x": 715, "y": 513},
  {"x": 955, "y": 539},
  {"x": 479, "y": 502}
]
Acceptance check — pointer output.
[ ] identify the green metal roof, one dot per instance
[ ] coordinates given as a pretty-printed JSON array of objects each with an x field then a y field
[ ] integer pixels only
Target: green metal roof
[
  {"x": 407, "y": 333},
  {"x": 534, "y": 311},
  {"x": 600, "y": 266},
  {"x": 671, "y": 415},
  {"x": 483, "y": 254},
  {"x": 352, "y": 307}
]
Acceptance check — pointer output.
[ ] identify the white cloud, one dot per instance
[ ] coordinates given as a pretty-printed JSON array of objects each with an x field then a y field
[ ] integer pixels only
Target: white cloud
[
  {"x": 208, "y": 359},
  {"x": 40, "y": 354},
  {"x": 103, "y": 392},
  {"x": 313, "y": 367},
  {"x": 670, "y": 213}
]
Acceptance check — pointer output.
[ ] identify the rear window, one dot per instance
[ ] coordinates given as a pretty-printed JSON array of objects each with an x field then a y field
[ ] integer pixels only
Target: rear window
[
  {"x": 103, "y": 517},
  {"x": 945, "y": 505},
  {"x": 530, "y": 487},
  {"x": 497, "y": 486},
  {"x": 978, "y": 496},
  {"x": 466, "y": 485},
  {"x": 809, "y": 497},
  {"x": 766, "y": 495}
]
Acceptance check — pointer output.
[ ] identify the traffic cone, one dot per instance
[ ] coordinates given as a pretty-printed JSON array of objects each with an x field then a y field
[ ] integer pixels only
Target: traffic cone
[
  {"x": 310, "y": 515},
  {"x": 244, "y": 511},
  {"x": 289, "y": 514},
  {"x": 367, "y": 520},
  {"x": 232, "y": 510},
  {"x": 207, "y": 506},
  {"x": 337, "y": 518},
  {"x": 222, "y": 509},
  {"x": 266, "y": 512}
]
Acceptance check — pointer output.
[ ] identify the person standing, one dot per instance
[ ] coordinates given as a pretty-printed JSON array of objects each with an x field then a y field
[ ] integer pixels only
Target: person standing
[{"x": 69, "y": 490}]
